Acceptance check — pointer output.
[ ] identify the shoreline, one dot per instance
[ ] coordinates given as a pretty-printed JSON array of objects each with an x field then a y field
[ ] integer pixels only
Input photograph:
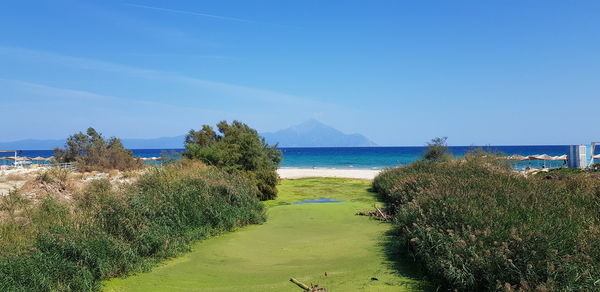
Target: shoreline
[{"x": 292, "y": 173}]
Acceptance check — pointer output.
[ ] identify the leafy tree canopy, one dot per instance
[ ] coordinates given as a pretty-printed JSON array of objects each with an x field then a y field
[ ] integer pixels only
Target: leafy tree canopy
[
  {"x": 237, "y": 148},
  {"x": 90, "y": 151}
]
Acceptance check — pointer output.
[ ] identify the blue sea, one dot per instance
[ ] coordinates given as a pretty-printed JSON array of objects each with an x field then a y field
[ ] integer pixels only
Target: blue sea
[{"x": 359, "y": 157}]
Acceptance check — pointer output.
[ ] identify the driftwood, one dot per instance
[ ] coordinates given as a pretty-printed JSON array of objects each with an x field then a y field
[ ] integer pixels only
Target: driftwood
[
  {"x": 312, "y": 288},
  {"x": 376, "y": 213},
  {"x": 300, "y": 284},
  {"x": 381, "y": 214}
]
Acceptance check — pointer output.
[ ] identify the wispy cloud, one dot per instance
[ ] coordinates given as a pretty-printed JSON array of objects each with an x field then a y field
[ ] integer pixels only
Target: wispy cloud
[
  {"x": 189, "y": 56},
  {"x": 229, "y": 90},
  {"x": 191, "y": 13},
  {"x": 44, "y": 91},
  {"x": 200, "y": 14}
]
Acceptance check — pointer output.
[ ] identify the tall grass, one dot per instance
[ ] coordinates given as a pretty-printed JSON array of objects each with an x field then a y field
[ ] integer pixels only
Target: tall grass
[
  {"x": 109, "y": 231},
  {"x": 475, "y": 225}
]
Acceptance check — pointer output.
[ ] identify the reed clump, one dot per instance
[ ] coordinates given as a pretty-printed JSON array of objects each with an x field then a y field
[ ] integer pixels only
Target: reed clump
[
  {"x": 110, "y": 230},
  {"x": 473, "y": 224}
]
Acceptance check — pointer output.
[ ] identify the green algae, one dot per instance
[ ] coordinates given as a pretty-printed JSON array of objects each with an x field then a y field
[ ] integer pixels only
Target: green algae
[{"x": 304, "y": 241}]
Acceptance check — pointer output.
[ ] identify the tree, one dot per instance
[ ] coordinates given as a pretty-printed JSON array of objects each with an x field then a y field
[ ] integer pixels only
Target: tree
[
  {"x": 90, "y": 151},
  {"x": 237, "y": 148},
  {"x": 437, "y": 150}
]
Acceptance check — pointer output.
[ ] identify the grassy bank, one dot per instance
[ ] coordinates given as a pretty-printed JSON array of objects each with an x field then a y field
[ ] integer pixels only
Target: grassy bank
[
  {"x": 105, "y": 230},
  {"x": 298, "y": 240},
  {"x": 474, "y": 224}
]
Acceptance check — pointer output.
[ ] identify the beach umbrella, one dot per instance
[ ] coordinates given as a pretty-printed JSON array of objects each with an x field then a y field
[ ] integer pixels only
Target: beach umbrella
[
  {"x": 543, "y": 157},
  {"x": 23, "y": 158},
  {"x": 561, "y": 157},
  {"x": 39, "y": 158},
  {"x": 516, "y": 157},
  {"x": 540, "y": 157}
]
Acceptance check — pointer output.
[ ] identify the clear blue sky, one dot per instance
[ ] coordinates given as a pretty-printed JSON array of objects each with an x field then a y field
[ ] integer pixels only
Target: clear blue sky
[{"x": 399, "y": 72}]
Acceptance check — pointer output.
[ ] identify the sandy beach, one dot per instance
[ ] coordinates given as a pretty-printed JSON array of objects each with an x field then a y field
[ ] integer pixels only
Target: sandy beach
[{"x": 324, "y": 172}]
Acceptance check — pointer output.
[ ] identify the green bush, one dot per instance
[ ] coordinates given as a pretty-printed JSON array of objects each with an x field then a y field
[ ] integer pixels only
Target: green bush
[
  {"x": 53, "y": 175},
  {"x": 386, "y": 180},
  {"x": 91, "y": 151},
  {"x": 437, "y": 150},
  {"x": 237, "y": 149},
  {"x": 476, "y": 225},
  {"x": 109, "y": 231}
]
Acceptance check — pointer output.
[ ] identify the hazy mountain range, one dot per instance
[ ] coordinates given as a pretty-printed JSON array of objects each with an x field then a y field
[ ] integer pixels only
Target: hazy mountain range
[
  {"x": 311, "y": 133},
  {"x": 152, "y": 143}
]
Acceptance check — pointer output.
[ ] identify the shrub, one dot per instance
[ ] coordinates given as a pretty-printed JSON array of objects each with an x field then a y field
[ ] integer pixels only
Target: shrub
[
  {"x": 109, "y": 230},
  {"x": 238, "y": 149},
  {"x": 476, "y": 225},
  {"x": 91, "y": 151},
  {"x": 12, "y": 202},
  {"x": 386, "y": 180},
  {"x": 437, "y": 150},
  {"x": 53, "y": 175}
]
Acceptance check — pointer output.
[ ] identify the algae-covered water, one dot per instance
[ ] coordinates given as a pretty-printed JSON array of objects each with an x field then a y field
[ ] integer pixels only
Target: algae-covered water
[{"x": 304, "y": 241}]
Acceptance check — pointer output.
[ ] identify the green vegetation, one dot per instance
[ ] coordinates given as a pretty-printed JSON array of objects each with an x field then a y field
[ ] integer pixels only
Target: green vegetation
[
  {"x": 437, "y": 150},
  {"x": 474, "y": 225},
  {"x": 237, "y": 149},
  {"x": 110, "y": 230},
  {"x": 298, "y": 240},
  {"x": 91, "y": 151},
  {"x": 12, "y": 202}
]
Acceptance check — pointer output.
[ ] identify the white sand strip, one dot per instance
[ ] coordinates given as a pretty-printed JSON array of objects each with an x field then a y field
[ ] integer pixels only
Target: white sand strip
[{"x": 323, "y": 172}]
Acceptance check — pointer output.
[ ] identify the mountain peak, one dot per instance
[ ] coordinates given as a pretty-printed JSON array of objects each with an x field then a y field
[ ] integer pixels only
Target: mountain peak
[
  {"x": 310, "y": 125},
  {"x": 313, "y": 133}
]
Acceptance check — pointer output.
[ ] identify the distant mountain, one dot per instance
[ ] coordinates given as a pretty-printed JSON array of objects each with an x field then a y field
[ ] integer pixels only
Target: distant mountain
[
  {"x": 154, "y": 143},
  {"x": 32, "y": 144},
  {"x": 313, "y": 133}
]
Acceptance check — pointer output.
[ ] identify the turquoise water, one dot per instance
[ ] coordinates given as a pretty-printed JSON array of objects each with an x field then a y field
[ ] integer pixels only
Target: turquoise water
[
  {"x": 381, "y": 157},
  {"x": 360, "y": 157}
]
